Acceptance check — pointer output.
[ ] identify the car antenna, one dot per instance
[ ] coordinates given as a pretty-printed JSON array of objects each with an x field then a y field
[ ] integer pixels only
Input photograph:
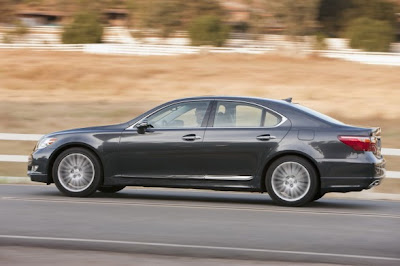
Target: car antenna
[{"x": 289, "y": 100}]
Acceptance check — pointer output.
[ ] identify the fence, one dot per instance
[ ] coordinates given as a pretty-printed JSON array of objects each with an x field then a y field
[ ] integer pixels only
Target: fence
[
  {"x": 392, "y": 59},
  {"x": 36, "y": 137}
]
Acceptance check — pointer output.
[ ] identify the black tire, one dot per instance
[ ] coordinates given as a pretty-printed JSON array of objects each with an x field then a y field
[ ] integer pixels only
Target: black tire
[
  {"x": 289, "y": 183},
  {"x": 111, "y": 189},
  {"x": 318, "y": 196},
  {"x": 96, "y": 175}
]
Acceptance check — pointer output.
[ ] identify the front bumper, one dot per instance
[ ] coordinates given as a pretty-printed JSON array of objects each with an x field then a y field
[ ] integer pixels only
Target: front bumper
[{"x": 38, "y": 166}]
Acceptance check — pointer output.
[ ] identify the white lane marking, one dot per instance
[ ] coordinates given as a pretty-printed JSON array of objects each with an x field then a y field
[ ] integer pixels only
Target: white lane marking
[
  {"x": 390, "y": 152},
  {"x": 13, "y": 158},
  {"x": 392, "y": 174},
  {"x": 17, "y": 136},
  {"x": 276, "y": 210},
  {"x": 157, "y": 244}
]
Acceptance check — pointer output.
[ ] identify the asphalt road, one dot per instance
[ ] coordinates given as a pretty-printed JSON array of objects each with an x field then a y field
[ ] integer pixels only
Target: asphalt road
[{"x": 202, "y": 224}]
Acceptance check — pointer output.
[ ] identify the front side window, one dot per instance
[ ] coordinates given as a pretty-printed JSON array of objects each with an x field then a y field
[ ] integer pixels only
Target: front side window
[
  {"x": 181, "y": 115},
  {"x": 236, "y": 114}
]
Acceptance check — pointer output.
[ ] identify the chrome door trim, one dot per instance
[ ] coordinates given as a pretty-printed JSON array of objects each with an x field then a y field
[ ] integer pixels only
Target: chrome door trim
[
  {"x": 228, "y": 178},
  {"x": 196, "y": 177}
]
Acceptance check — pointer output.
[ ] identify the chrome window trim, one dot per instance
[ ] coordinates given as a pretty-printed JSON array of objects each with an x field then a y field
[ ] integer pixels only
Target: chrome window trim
[
  {"x": 284, "y": 119},
  {"x": 132, "y": 127}
]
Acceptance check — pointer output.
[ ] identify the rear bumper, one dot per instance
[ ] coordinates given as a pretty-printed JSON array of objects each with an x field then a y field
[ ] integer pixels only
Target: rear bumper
[
  {"x": 367, "y": 180},
  {"x": 347, "y": 184}
]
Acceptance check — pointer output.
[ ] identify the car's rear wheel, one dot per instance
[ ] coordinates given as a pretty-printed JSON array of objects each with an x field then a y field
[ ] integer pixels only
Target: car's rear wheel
[
  {"x": 77, "y": 172},
  {"x": 291, "y": 181},
  {"x": 111, "y": 189}
]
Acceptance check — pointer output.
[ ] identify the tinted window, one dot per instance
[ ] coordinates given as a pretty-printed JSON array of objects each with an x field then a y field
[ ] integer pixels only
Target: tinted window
[
  {"x": 181, "y": 115},
  {"x": 235, "y": 114}
]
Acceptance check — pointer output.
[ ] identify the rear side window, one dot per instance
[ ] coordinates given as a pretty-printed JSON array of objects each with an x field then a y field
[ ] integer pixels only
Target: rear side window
[{"x": 236, "y": 114}]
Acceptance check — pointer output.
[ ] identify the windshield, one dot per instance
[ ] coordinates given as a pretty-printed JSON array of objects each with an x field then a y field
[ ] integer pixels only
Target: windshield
[{"x": 317, "y": 114}]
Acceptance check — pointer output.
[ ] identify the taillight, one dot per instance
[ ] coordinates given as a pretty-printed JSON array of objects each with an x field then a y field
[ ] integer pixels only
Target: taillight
[{"x": 359, "y": 143}]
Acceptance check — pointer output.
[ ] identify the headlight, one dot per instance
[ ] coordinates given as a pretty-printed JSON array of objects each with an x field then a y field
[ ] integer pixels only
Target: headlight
[{"x": 43, "y": 143}]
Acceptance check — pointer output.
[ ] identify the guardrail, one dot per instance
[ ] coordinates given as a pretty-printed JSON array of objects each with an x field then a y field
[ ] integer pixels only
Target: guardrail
[
  {"x": 134, "y": 49},
  {"x": 36, "y": 137}
]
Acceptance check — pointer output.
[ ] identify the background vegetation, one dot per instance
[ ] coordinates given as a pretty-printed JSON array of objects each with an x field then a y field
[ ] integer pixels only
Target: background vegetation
[
  {"x": 370, "y": 34},
  {"x": 330, "y": 18},
  {"x": 85, "y": 28},
  {"x": 208, "y": 30}
]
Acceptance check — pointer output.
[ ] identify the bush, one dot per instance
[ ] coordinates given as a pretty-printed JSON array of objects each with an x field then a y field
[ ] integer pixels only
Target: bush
[
  {"x": 370, "y": 34},
  {"x": 208, "y": 30},
  {"x": 86, "y": 28},
  {"x": 320, "y": 43},
  {"x": 20, "y": 29}
]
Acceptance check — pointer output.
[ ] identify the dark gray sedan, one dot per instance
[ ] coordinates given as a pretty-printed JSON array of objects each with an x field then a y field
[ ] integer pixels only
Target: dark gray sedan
[{"x": 221, "y": 143}]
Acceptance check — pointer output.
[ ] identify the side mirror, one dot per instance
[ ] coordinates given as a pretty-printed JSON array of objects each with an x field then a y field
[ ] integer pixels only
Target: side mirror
[
  {"x": 142, "y": 126},
  {"x": 142, "y": 123}
]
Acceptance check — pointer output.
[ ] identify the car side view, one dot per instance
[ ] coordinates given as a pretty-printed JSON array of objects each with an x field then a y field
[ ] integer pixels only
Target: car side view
[{"x": 293, "y": 153}]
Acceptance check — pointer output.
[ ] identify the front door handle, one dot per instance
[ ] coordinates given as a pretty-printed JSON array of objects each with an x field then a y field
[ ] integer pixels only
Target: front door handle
[
  {"x": 191, "y": 137},
  {"x": 265, "y": 137}
]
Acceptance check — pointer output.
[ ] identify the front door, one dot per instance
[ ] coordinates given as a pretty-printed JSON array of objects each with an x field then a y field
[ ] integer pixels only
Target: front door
[{"x": 171, "y": 148}]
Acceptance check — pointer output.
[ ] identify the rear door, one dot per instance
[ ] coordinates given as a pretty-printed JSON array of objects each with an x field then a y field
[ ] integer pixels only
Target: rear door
[{"x": 239, "y": 137}]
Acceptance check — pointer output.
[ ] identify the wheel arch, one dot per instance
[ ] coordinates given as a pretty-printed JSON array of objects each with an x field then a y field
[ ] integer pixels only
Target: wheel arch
[
  {"x": 288, "y": 153},
  {"x": 67, "y": 146}
]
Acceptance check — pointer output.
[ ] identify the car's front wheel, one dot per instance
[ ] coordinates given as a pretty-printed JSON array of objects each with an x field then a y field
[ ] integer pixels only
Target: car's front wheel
[
  {"x": 291, "y": 181},
  {"x": 77, "y": 172}
]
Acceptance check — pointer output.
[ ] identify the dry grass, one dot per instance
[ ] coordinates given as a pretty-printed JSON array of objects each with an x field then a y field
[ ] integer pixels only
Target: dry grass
[{"x": 351, "y": 89}]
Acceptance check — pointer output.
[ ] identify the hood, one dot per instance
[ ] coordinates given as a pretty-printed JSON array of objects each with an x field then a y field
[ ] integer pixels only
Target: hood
[{"x": 117, "y": 127}]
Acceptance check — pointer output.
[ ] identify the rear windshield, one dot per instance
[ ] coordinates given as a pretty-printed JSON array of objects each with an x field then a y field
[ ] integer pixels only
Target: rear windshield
[{"x": 317, "y": 114}]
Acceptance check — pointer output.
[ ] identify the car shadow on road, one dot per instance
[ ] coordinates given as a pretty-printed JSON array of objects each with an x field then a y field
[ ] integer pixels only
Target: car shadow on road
[{"x": 177, "y": 196}]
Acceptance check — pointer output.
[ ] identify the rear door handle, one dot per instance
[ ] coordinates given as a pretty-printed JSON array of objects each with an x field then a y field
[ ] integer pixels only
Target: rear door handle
[
  {"x": 265, "y": 137},
  {"x": 191, "y": 137}
]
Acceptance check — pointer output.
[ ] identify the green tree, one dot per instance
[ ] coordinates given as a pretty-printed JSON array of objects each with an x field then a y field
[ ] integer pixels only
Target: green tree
[
  {"x": 373, "y": 9},
  {"x": 85, "y": 28},
  {"x": 208, "y": 30},
  {"x": 330, "y": 15},
  {"x": 370, "y": 34},
  {"x": 335, "y": 15}
]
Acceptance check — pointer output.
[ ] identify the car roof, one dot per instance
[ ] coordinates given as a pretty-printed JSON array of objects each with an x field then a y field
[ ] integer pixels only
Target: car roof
[{"x": 235, "y": 98}]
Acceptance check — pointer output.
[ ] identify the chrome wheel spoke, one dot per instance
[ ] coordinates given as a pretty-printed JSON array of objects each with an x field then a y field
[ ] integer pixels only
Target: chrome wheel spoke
[
  {"x": 290, "y": 181},
  {"x": 76, "y": 172}
]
